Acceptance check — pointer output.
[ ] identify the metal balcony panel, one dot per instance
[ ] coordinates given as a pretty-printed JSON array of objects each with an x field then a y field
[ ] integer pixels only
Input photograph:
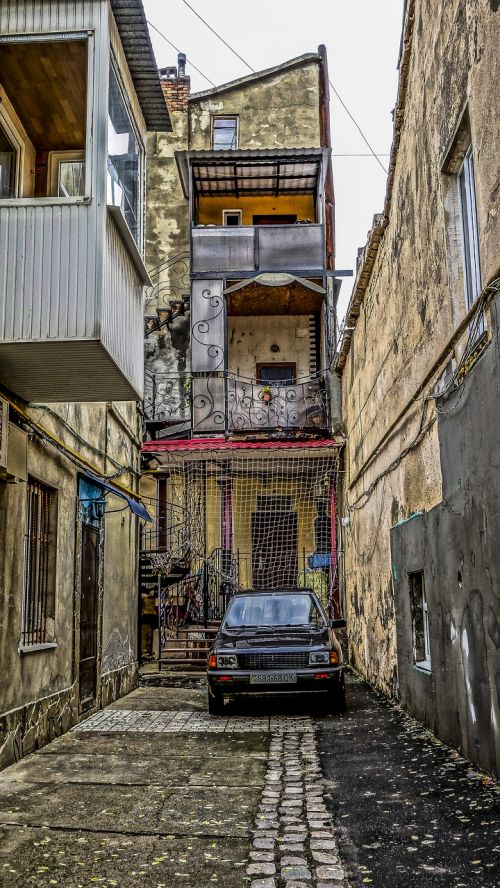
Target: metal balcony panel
[
  {"x": 208, "y": 318},
  {"x": 223, "y": 249},
  {"x": 258, "y": 248},
  {"x": 291, "y": 247}
]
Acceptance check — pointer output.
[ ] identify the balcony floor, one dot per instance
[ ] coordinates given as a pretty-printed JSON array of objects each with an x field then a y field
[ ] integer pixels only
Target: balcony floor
[{"x": 68, "y": 370}]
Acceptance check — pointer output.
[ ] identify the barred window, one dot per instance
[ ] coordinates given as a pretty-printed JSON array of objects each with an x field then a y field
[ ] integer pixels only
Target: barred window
[{"x": 39, "y": 565}]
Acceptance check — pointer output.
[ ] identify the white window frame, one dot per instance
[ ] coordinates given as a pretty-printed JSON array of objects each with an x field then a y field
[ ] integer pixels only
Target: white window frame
[
  {"x": 54, "y": 159},
  {"x": 236, "y": 119},
  {"x": 226, "y": 213},
  {"x": 16, "y": 139},
  {"x": 141, "y": 213},
  {"x": 470, "y": 237},
  {"x": 49, "y": 37}
]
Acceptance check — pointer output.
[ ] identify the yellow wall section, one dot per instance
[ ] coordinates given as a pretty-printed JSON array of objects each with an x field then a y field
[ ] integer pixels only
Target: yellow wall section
[{"x": 210, "y": 208}]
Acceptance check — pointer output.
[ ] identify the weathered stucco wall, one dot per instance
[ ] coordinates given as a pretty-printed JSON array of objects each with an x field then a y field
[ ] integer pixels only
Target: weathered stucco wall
[
  {"x": 39, "y": 688},
  {"x": 412, "y": 304},
  {"x": 249, "y": 343},
  {"x": 279, "y": 111},
  {"x": 456, "y": 544}
]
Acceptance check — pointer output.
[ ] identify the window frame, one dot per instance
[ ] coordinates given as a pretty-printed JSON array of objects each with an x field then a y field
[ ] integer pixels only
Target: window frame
[
  {"x": 54, "y": 159},
  {"x": 276, "y": 383},
  {"x": 226, "y": 213},
  {"x": 236, "y": 119},
  {"x": 471, "y": 260},
  {"x": 51, "y": 37},
  {"x": 114, "y": 65},
  {"x": 424, "y": 664},
  {"x": 12, "y": 134},
  {"x": 44, "y": 609}
]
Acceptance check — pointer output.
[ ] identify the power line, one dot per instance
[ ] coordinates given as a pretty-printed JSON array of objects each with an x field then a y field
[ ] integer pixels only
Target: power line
[
  {"x": 213, "y": 31},
  {"x": 178, "y": 50},
  {"x": 197, "y": 14},
  {"x": 356, "y": 124}
]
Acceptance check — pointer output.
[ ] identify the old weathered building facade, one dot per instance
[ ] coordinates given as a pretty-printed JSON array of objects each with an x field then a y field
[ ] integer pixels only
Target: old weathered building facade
[
  {"x": 76, "y": 100},
  {"x": 420, "y": 389},
  {"x": 240, "y": 328}
]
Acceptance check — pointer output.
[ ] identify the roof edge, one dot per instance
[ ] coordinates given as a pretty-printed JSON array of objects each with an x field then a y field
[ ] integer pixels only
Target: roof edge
[
  {"x": 380, "y": 220},
  {"x": 297, "y": 62}
]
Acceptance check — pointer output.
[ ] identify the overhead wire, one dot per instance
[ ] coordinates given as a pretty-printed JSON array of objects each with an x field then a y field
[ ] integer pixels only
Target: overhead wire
[
  {"x": 238, "y": 56},
  {"x": 179, "y": 50},
  {"x": 197, "y": 14},
  {"x": 356, "y": 124}
]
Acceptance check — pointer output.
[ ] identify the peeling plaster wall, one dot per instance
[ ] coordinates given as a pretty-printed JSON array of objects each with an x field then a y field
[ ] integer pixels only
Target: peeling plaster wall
[
  {"x": 456, "y": 544},
  {"x": 413, "y": 303},
  {"x": 167, "y": 246},
  {"x": 39, "y": 689},
  {"x": 279, "y": 111}
]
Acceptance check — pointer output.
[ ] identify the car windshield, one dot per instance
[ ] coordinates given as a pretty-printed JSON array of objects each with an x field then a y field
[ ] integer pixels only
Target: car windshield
[{"x": 263, "y": 610}]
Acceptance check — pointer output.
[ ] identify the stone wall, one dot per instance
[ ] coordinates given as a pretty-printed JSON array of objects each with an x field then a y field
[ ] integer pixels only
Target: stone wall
[{"x": 408, "y": 301}]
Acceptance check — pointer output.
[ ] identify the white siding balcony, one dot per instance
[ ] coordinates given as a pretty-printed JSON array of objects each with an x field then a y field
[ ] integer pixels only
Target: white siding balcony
[{"x": 79, "y": 89}]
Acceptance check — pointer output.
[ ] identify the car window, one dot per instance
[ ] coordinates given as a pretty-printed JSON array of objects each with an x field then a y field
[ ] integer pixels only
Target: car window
[{"x": 273, "y": 610}]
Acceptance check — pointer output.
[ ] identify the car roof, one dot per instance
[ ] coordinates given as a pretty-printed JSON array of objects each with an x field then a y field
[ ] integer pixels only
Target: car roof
[{"x": 287, "y": 591}]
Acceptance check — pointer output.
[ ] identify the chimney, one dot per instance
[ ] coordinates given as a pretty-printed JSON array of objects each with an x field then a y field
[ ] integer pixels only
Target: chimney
[{"x": 176, "y": 85}]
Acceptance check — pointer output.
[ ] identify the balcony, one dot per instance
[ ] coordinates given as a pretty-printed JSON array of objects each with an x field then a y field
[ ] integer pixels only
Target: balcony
[
  {"x": 255, "y": 210},
  {"x": 177, "y": 406},
  {"x": 258, "y": 248}
]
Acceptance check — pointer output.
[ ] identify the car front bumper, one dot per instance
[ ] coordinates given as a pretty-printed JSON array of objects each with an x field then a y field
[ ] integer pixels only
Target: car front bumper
[{"x": 232, "y": 682}]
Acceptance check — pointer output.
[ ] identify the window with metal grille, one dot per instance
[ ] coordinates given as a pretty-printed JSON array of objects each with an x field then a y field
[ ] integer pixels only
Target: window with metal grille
[{"x": 39, "y": 565}]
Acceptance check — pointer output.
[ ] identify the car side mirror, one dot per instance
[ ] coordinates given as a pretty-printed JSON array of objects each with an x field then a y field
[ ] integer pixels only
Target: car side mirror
[{"x": 337, "y": 624}]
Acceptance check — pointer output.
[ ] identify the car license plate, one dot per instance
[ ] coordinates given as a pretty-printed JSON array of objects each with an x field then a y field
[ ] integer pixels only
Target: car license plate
[{"x": 270, "y": 678}]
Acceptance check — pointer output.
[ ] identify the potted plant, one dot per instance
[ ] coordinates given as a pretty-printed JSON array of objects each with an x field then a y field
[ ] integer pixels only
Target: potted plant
[{"x": 266, "y": 394}]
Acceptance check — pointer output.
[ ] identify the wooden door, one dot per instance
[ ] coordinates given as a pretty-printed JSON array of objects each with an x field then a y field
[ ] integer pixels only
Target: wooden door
[{"x": 88, "y": 616}]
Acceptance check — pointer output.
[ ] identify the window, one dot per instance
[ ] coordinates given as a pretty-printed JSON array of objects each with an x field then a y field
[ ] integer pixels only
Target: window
[
  {"x": 470, "y": 242},
  {"x": 67, "y": 173},
  {"x": 124, "y": 159},
  {"x": 39, "y": 565},
  {"x": 420, "y": 621},
  {"x": 7, "y": 166},
  {"x": 224, "y": 133},
  {"x": 43, "y": 112},
  {"x": 280, "y": 374},
  {"x": 231, "y": 217}
]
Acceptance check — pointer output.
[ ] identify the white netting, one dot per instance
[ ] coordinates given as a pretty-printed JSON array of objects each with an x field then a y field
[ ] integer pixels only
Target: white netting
[{"x": 252, "y": 519}]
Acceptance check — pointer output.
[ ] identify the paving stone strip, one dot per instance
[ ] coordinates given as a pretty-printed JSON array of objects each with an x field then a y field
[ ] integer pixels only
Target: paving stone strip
[
  {"x": 293, "y": 840},
  {"x": 140, "y": 721}
]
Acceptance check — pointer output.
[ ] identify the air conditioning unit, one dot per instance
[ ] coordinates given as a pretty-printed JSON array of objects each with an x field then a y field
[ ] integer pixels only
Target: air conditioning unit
[{"x": 4, "y": 432}]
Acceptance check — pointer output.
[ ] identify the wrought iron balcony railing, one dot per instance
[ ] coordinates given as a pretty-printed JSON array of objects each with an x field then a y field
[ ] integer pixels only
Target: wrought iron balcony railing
[{"x": 230, "y": 404}]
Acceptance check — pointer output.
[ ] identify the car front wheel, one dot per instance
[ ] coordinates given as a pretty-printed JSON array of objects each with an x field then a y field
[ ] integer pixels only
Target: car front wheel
[{"x": 215, "y": 704}]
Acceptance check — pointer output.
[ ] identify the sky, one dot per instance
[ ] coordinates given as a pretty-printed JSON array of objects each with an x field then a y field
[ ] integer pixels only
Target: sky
[{"x": 362, "y": 39}]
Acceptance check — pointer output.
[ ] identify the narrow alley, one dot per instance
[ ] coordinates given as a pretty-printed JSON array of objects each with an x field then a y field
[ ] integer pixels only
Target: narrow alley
[{"x": 153, "y": 791}]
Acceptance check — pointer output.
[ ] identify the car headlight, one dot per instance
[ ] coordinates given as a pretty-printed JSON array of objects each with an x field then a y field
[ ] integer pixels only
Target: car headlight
[
  {"x": 227, "y": 661},
  {"x": 318, "y": 657}
]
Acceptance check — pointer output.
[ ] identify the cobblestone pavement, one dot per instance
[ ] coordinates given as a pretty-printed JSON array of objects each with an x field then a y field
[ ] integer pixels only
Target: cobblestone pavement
[{"x": 154, "y": 792}]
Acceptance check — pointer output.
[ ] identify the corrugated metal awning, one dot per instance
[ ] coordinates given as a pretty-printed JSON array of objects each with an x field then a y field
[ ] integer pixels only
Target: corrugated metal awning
[
  {"x": 260, "y": 171},
  {"x": 134, "y": 34}
]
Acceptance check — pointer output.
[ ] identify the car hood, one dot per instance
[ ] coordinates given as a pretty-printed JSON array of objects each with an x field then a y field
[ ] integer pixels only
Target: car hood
[{"x": 248, "y": 639}]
